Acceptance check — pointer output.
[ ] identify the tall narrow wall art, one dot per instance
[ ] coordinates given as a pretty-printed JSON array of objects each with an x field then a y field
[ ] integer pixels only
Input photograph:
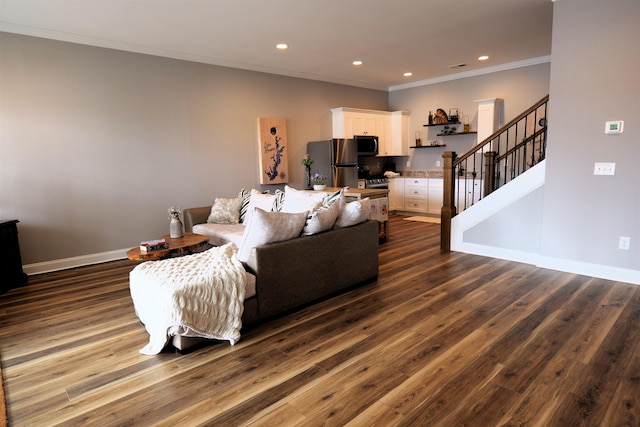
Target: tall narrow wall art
[{"x": 272, "y": 138}]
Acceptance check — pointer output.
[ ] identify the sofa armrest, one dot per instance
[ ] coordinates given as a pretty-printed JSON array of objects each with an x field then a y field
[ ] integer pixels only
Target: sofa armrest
[{"x": 193, "y": 216}]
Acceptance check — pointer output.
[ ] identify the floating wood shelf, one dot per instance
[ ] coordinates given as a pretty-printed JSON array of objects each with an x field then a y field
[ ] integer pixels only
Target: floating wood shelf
[
  {"x": 443, "y": 124},
  {"x": 428, "y": 146},
  {"x": 455, "y": 133}
]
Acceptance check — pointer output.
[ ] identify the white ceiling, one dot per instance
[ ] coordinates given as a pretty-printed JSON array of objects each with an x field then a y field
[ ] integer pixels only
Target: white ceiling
[{"x": 391, "y": 37}]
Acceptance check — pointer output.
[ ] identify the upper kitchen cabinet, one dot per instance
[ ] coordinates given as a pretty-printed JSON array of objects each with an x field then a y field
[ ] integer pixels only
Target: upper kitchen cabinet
[
  {"x": 391, "y": 128},
  {"x": 398, "y": 144},
  {"x": 348, "y": 122}
]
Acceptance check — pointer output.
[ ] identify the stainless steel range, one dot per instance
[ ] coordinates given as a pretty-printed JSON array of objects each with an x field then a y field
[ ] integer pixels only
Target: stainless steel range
[{"x": 382, "y": 182}]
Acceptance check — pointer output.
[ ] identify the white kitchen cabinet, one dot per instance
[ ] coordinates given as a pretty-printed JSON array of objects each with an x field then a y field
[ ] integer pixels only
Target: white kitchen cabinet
[
  {"x": 364, "y": 124},
  {"x": 348, "y": 122},
  {"x": 424, "y": 195},
  {"x": 397, "y": 144},
  {"x": 391, "y": 128},
  {"x": 383, "y": 129},
  {"x": 396, "y": 194},
  {"x": 468, "y": 192},
  {"x": 436, "y": 196},
  {"x": 416, "y": 194}
]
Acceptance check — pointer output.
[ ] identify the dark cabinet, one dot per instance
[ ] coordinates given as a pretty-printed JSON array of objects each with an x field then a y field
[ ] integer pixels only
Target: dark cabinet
[{"x": 11, "y": 274}]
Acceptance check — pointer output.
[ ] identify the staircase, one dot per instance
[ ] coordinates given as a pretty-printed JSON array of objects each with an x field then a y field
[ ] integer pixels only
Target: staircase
[{"x": 506, "y": 154}]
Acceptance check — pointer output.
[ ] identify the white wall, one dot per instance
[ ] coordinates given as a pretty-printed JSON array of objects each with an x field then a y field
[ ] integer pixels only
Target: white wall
[{"x": 96, "y": 144}]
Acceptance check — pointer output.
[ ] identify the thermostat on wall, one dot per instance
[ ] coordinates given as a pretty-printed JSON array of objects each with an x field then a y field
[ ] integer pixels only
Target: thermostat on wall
[{"x": 614, "y": 127}]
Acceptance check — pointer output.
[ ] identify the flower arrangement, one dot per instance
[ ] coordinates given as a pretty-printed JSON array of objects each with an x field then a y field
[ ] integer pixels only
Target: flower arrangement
[
  {"x": 317, "y": 179},
  {"x": 175, "y": 212}
]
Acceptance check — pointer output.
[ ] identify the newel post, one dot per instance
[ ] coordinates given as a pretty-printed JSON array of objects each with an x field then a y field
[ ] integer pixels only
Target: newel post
[
  {"x": 489, "y": 172},
  {"x": 448, "y": 207}
]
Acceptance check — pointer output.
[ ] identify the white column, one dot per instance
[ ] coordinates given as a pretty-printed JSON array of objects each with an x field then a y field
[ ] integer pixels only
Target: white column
[{"x": 488, "y": 117}]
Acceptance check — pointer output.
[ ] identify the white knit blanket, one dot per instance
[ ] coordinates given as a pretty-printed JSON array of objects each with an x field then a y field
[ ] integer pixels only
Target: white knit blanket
[{"x": 196, "y": 295}]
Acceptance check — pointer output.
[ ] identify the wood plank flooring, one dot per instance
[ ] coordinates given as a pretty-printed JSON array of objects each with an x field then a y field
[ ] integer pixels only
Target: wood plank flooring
[{"x": 438, "y": 340}]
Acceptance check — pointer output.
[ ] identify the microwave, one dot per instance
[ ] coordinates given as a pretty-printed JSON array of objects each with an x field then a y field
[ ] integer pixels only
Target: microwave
[{"x": 367, "y": 145}]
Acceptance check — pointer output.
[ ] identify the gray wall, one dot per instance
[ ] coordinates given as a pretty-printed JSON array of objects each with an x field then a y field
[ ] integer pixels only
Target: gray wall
[
  {"x": 594, "y": 78},
  {"x": 96, "y": 144},
  {"x": 519, "y": 88}
]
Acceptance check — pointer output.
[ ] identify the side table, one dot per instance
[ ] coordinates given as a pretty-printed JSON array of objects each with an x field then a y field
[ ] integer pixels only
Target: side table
[
  {"x": 11, "y": 274},
  {"x": 185, "y": 245}
]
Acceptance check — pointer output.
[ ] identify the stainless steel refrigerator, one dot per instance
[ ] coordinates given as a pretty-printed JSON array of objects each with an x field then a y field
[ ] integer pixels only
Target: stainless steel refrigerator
[{"x": 337, "y": 159}]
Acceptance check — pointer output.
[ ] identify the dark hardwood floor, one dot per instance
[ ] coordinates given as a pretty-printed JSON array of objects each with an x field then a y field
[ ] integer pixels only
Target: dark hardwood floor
[{"x": 438, "y": 340}]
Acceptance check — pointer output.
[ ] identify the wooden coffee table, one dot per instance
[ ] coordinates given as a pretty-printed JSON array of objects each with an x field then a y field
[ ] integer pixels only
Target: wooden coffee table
[{"x": 185, "y": 245}]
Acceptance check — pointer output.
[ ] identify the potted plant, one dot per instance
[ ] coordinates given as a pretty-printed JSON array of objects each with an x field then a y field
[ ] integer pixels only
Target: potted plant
[{"x": 319, "y": 182}]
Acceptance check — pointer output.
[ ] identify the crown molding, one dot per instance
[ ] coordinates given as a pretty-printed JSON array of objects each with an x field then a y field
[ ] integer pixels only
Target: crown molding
[{"x": 473, "y": 73}]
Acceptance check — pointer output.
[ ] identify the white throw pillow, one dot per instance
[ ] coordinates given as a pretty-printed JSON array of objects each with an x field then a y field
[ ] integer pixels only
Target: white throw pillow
[
  {"x": 301, "y": 200},
  {"x": 258, "y": 200},
  {"x": 269, "y": 227},
  {"x": 322, "y": 219},
  {"x": 354, "y": 213}
]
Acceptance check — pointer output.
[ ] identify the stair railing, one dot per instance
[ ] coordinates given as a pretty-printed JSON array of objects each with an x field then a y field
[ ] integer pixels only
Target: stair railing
[{"x": 511, "y": 150}]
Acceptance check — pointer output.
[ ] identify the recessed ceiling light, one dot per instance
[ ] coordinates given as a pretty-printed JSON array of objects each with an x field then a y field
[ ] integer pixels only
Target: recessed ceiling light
[
  {"x": 282, "y": 46},
  {"x": 483, "y": 58},
  {"x": 408, "y": 74},
  {"x": 358, "y": 62}
]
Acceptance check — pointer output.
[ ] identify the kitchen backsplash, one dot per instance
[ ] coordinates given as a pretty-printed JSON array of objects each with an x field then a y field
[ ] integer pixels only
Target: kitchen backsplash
[{"x": 422, "y": 174}]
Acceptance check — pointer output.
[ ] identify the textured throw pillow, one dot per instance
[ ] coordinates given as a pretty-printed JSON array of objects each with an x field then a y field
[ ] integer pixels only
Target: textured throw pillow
[
  {"x": 258, "y": 200},
  {"x": 321, "y": 219},
  {"x": 354, "y": 213},
  {"x": 225, "y": 211},
  {"x": 301, "y": 200},
  {"x": 269, "y": 227}
]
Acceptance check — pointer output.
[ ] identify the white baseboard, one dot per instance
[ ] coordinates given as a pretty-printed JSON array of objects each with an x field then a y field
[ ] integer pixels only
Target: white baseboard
[
  {"x": 607, "y": 272},
  {"x": 500, "y": 253},
  {"x": 79, "y": 261},
  {"x": 575, "y": 267}
]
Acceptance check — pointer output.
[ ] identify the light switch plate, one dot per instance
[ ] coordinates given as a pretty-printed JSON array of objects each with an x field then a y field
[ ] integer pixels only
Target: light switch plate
[
  {"x": 614, "y": 127},
  {"x": 624, "y": 243},
  {"x": 604, "y": 169}
]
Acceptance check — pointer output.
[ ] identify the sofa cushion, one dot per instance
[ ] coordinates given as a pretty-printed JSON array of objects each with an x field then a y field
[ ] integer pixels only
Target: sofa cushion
[
  {"x": 259, "y": 200},
  {"x": 301, "y": 200},
  {"x": 321, "y": 219},
  {"x": 354, "y": 213},
  {"x": 225, "y": 211},
  {"x": 269, "y": 227},
  {"x": 221, "y": 234}
]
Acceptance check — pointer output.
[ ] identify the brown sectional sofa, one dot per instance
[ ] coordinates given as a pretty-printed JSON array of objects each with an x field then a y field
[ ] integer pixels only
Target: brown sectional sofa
[{"x": 294, "y": 273}]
